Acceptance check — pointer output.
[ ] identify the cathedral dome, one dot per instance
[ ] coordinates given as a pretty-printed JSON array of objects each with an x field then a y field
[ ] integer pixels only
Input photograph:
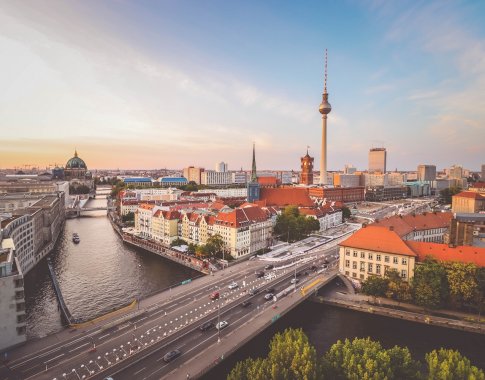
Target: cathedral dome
[{"x": 76, "y": 163}]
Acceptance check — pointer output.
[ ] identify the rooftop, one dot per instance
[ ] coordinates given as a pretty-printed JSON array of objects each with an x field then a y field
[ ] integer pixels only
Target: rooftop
[{"x": 443, "y": 252}]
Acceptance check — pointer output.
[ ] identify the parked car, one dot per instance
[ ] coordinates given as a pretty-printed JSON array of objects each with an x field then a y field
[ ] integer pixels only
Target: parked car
[
  {"x": 269, "y": 296},
  {"x": 233, "y": 285},
  {"x": 313, "y": 267},
  {"x": 254, "y": 291},
  {"x": 294, "y": 281},
  {"x": 206, "y": 326},
  {"x": 168, "y": 357},
  {"x": 259, "y": 274},
  {"x": 214, "y": 296},
  {"x": 221, "y": 325},
  {"x": 269, "y": 266},
  {"x": 246, "y": 303},
  {"x": 270, "y": 290}
]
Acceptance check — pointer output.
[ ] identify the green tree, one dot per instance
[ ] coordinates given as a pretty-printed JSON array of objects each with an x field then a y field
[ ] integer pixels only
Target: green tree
[
  {"x": 430, "y": 286},
  {"x": 375, "y": 286},
  {"x": 202, "y": 251},
  {"x": 366, "y": 359},
  {"x": 191, "y": 248},
  {"x": 445, "y": 364},
  {"x": 480, "y": 293},
  {"x": 215, "y": 245},
  {"x": 129, "y": 217},
  {"x": 291, "y": 357},
  {"x": 346, "y": 213},
  {"x": 398, "y": 289},
  {"x": 447, "y": 194},
  {"x": 462, "y": 282},
  {"x": 292, "y": 226},
  {"x": 178, "y": 241}
]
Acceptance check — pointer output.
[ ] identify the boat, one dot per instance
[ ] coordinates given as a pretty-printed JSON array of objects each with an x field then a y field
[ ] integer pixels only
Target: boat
[{"x": 75, "y": 238}]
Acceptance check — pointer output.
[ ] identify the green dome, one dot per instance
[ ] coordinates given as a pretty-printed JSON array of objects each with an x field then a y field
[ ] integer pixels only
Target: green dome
[{"x": 76, "y": 163}]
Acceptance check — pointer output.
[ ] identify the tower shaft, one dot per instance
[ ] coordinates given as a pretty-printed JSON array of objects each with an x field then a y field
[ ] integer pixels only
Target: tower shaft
[{"x": 323, "y": 156}]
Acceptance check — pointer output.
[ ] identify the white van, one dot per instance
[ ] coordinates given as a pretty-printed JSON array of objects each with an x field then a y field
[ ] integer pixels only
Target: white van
[{"x": 269, "y": 276}]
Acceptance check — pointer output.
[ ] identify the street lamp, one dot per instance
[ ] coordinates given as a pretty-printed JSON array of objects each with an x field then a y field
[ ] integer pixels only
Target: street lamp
[{"x": 219, "y": 320}]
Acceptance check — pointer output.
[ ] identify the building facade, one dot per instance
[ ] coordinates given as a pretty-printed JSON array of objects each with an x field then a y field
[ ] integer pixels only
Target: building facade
[
  {"x": 377, "y": 160},
  {"x": 306, "y": 170},
  {"x": 215, "y": 178},
  {"x": 193, "y": 174},
  {"x": 426, "y": 172}
]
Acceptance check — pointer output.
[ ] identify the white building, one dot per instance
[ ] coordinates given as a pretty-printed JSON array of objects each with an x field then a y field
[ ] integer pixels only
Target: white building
[
  {"x": 221, "y": 167},
  {"x": 239, "y": 177},
  {"x": 12, "y": 299},
  {"x": 213, "y": 178},
  {"x": 227, "y": 193}
]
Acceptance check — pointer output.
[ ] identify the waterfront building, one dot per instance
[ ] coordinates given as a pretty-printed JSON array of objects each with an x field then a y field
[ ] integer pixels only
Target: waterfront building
[
  {"x": 12, "y": 299},
  {"x": 373, "y": 250},
  {"x": 306, "y": 169},
  {"x": 468, "y": 202},
  {"x": 143, "y": 219},
  {"x": 193, "y": 174},
  {"x": 377, "y": 160},
  {"x": 165, "y": 226},
  {"x": 426, "y": 172},
  {"x": 215, "y": 178}
]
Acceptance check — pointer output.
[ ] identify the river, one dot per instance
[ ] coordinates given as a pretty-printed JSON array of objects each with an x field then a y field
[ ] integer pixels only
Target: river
[{"x": 101, "y": 273}]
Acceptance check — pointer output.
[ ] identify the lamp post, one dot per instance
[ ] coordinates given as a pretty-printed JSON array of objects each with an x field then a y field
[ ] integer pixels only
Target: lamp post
[{"x": 219, "y": 320}]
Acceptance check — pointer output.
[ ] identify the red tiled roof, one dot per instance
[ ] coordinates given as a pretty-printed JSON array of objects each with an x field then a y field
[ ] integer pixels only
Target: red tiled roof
[
  {"x": 470, "y": 194},
  {"x": 443, "y": 252},
  {"x": 403, "y": 225},
  {"x": 478, "y": 185},
  {"x": 268, "y": 180},
  {"x": 147, "y": 206},
  {"x": 242, "y": 216},
  {"x": 287, "y": 196},
  {"x": 378, "y": 239}
]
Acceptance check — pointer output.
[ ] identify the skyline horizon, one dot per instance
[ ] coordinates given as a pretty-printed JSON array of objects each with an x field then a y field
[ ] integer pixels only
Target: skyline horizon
[{"x": 146, "y": 85}]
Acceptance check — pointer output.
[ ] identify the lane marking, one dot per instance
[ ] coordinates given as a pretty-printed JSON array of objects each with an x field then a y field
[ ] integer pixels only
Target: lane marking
[
  {"x": 141, "y": 370},
  {"x": 54, "y": 358},
  {"x": 77, "y": 348},
  {"x": 103, "y": 336}
]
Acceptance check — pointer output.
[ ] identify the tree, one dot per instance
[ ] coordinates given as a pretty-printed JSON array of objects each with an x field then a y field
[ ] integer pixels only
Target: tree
[
  {"x": 430, "y": 286},
  {"x": 215, "y": 245},
  {"x": 445, "y": 364},
  {"x": 480, "y": 293},
  {"x": 398, "y": 289},
  {"x": 462, "y": 282},
  {"x": 178, "y": 241},
  {"x": 191, "y": 248},
  {"x": 291, "y": 356},
  {"x": 202, "y": 251},
  {"x": 447, "y": 194},
  {"x": 366, "y": 359},
  {"x": 375, "y": 286},
  {"x": 346, "y": 213},
  {"x": 129, "y": 217},
  {"x": 292, "y": 226}
]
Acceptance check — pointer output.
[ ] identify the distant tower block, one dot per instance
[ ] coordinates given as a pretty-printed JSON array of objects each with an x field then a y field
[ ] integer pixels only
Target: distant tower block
[
  {"x": 324, "y": 109},
  {"x": 306, "y": 169}
]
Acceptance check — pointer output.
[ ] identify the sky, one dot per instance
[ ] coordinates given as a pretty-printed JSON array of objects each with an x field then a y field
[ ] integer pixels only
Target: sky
[{"x": 168, "y": 84}]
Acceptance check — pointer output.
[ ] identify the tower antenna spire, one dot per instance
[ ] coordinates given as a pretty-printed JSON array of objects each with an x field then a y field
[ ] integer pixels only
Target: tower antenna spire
[{"x": 325, "y": 81}]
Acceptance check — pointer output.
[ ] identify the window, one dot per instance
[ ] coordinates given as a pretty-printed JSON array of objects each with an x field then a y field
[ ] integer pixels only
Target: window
[
  {"x": 362, "y": 255},
  {"x": 404, "y": 273},
  {"x": 346, "y": 272},
  {"x": 395, "y": 260},
  {"x": 378, "y": 268},
  {"x": 371, "y": 256},
  {"x": 362, "y": 276},
  {"x": 369, "y": 268},
  {"x": 386, "y": 259},
  {"x": 354, "y": 274},
  {"x": 355, "y": 253},
  {"x": 362, "y": 267},
  {"x": 347, "y": 252},
  {"x": 347, "y": 263},
  {"x": 404, "y": 261},
  {"x": 378, "y": 257}
]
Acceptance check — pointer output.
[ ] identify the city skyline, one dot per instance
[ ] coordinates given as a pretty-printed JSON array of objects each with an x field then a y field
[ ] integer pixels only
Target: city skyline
[{"x": 149, "y": 86}]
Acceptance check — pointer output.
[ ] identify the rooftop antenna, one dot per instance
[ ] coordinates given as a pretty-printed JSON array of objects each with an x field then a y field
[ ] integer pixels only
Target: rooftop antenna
[{"x": 325, "y": 80}]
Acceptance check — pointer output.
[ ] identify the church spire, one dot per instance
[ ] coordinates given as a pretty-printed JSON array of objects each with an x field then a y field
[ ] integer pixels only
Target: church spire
[{"x": 254, "y": 177}]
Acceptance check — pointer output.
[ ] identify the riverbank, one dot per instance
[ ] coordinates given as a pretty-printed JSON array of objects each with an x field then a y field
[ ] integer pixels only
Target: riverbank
[{"x": 389, "y": 308}]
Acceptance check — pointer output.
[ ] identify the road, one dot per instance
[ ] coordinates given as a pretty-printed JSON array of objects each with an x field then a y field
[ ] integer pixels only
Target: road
[{"x": 135, "y": 348}]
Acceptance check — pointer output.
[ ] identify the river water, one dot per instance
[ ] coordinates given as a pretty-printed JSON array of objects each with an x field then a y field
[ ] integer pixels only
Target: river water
[{"x": 101, "y": 273}]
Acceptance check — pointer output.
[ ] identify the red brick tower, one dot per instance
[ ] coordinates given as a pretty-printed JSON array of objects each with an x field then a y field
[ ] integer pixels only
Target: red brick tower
[{"x": 306, "y": 169}]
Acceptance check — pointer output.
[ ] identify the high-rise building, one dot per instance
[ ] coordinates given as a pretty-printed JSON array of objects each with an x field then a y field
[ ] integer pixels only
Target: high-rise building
[
  {"x": 306, "y": 169},
  {"x": 377, "y": 160},
  {"x": 426, "y": 172},
  {"x": 221, "y": 167},
  {"x": 483, "y": 172},
  {"x": 324, "y": 109},
  {"x": 456, "y": 172},
  {"x": 349, "y": 169},
  {"x": 193, "y": 174}
]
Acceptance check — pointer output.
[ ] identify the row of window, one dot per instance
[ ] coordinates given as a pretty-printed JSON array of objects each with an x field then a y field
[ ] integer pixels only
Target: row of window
[{"x": 370, "y": 256}]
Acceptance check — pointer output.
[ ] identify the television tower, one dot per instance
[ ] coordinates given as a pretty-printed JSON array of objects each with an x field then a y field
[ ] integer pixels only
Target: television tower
[{"x": 324, "y": 109}]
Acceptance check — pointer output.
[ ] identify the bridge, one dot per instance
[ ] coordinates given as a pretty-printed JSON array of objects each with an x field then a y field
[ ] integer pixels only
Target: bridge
[{"x": 133, "y": 345}]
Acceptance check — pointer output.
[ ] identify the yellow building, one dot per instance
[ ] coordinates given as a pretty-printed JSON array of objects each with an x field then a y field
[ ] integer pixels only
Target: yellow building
[
  {"x": 372, "y": 251},
  {"x": 468, "y": 202},
  {"x": 165, "y": 226}
]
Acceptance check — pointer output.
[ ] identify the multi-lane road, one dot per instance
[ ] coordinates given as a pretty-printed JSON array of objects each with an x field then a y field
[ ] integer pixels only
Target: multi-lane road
[{"x": 134, "y": 348}]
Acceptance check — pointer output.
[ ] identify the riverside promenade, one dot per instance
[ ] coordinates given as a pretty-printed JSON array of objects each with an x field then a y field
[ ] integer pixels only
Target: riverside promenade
[{"x": 413, "y": 313}]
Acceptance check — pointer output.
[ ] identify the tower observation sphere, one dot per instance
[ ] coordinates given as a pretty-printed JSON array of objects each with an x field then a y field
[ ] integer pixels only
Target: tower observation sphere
[{"x": 325, "y": 107}]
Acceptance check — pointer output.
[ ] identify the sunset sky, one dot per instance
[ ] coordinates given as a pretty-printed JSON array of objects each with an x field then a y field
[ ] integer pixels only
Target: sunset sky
[{"x": 167, "y": 84}]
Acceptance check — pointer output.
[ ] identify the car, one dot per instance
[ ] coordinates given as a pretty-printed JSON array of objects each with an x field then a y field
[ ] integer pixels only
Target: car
[
  {"x": 246, "y": 303},
  {"x": 269, "y": 266},
  {"x": 214, "y": 296},
  {"x": 268, "y": 296},
  {"x": 221, "y": 325},
  {"x": 259, "y": 274},
  {"x": 294, "y": 281},
  {"x": 206, "y": 326},
  {"x": 233, "y": 285},
  {"x": 168, "y": 357},
  {"x": 254, "y": 291},
  {"x": 313, "y": 268},
  {"x": 270, "y": 290}
]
